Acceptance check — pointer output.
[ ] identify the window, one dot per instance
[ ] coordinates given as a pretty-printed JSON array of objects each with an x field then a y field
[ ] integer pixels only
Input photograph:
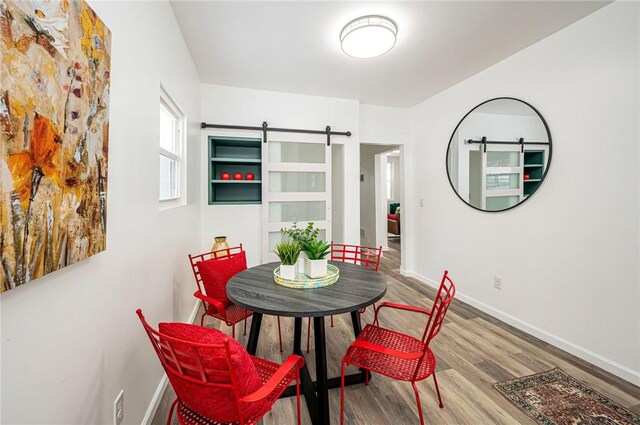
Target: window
[
  {"x": 172, "y": 148},
  {"x": 389, "y": 180}
]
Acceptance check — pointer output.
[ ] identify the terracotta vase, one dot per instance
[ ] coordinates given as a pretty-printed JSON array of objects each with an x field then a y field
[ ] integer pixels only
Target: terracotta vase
[{"x": 220, "y": 242}]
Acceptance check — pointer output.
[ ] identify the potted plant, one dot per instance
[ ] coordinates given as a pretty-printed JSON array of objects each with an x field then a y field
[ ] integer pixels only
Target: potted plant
[
  {"x": 316, "y": 261},
  {"x": 288, "y": 253},
  {"x": 301, "y": 236}
]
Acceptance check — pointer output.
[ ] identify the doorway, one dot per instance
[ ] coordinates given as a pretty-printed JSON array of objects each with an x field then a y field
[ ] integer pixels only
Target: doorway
[{"x": 381, "y": 193}]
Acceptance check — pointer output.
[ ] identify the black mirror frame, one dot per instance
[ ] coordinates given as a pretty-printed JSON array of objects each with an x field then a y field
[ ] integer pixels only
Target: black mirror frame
[{"x": 544, "y": 176}]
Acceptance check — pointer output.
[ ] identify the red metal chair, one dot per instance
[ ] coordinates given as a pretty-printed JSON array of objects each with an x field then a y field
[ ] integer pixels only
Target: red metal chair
[
  {"x": 398, "y": 355},
  {"x": 223, "y": 310},
  {"x": 368, "y": 257},
  {"x": 188, "y": 366}
]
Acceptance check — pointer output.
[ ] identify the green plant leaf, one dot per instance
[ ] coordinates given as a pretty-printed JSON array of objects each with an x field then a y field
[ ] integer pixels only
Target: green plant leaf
[
  {"x": 316, "y": 250},
  {"x": 299, "y": 235},
  {"x": 288, "y": 252}
]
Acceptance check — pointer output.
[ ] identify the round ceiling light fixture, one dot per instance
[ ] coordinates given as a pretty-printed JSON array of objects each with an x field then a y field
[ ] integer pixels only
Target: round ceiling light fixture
[{"x": 368, "y": 36}]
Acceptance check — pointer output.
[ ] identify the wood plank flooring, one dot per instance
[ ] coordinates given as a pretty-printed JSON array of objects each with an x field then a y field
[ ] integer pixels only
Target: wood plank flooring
[{"x": 474, "y": 350}]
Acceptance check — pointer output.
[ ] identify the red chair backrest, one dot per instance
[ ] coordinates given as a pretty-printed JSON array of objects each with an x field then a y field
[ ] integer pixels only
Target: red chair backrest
[
  {"x": 196, "y": 371},
  {"x": 222, "y": 254},
  {"x": 366, "y": 256},
  {"x": 446, "y": 292}
]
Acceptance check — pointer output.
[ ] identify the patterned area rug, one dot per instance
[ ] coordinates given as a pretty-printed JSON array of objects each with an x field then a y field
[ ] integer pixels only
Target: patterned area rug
[{"x": 556, "y": 398}]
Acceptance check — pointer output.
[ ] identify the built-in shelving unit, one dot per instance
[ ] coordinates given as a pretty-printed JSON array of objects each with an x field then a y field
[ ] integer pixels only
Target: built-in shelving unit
[
  {"x": 533, "y": 163},
  {"x": 234, "y": 155}
]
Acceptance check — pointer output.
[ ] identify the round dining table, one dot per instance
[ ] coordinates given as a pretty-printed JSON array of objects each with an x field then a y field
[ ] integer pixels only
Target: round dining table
[{"x": 357, "y": 287}]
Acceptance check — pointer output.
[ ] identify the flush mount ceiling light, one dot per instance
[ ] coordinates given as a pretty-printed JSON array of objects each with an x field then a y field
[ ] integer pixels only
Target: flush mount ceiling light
[{"x": 368, "y": 36}]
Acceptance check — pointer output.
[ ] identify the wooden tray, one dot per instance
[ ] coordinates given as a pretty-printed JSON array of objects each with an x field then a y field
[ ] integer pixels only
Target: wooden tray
[{"x": 302, "y": 281}]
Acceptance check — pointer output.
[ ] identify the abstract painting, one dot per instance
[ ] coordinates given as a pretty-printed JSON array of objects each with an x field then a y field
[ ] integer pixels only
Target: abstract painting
[{"x": 54, "y": 132}]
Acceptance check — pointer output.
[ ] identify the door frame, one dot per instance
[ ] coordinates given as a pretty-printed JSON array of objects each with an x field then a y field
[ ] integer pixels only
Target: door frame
[{"x": 380, "y": 216}]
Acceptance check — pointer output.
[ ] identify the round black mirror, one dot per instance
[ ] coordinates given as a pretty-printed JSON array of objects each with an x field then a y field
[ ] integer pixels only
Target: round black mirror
[{"x": 499, "y": 154}]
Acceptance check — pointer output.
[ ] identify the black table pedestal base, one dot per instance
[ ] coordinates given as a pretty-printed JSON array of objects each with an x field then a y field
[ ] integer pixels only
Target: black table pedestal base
[
  {"x": 316, "y": 393},
  {"x": 332, "y": 383}
]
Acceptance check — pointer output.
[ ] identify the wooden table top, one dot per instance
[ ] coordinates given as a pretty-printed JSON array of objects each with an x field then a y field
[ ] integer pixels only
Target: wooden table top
[{"x": 255, "y": 290}]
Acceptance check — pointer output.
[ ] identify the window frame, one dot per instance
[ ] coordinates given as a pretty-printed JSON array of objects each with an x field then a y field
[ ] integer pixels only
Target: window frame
[{"x": 180, "y": 150}]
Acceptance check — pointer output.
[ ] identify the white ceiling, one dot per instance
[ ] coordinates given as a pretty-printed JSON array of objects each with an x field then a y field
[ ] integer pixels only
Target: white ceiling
[{"x": 294, "y": 47}]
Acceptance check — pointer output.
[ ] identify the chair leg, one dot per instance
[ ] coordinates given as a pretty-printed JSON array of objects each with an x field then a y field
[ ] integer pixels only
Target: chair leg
[
  {"x": 331, "y": 321},
  {"x": 415, "y": 389},
  {"x": 308, "y": 333},
  {"x": 202, "y": 319},
  {"x": 366, "y": 377},
  {"x": 342, "y": 395},
  {"x": 280, "y": 335},
  {"x": 438, "y": 390},
  {"x": 233, "y": 330},
  {"x": 245, "y": 327},
  {"x": 298, "y": 393},
  {"x": 173, "y": 405}
]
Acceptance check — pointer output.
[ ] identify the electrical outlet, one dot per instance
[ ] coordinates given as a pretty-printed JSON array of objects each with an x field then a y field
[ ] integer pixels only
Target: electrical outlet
[
  {"x": 497, "y": 282},
  {"x": 118, "y": 408},
  {"x": 421, "y": 202}
]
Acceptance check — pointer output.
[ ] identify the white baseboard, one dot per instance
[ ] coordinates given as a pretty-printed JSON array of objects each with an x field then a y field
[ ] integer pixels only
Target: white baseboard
[
  {"x": 155, "y": 401},
  {"x": 162, "y": 386},
  {"x": 609, "y": 365}
]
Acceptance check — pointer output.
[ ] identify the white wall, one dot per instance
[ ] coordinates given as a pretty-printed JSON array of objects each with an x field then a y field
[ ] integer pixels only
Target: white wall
[
  {"x": 569, "y": 257},
  {"x": 236, "y": 106},
  {"x": 71, "y": 339},
  {"x": 385, "y": 125}
]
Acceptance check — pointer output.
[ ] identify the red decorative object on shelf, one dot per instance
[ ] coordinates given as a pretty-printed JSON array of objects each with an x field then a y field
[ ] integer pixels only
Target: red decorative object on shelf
[
  {"x": 249, "y": 176},
  {"x": 225, "y": 176},
  {"x": 237, "y": 176},
  {"x": 526, "y": 176}
]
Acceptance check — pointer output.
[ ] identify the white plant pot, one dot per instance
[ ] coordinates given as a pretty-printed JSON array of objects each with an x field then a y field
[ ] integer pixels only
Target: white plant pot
[
  {"x": 316, "y": 268},
  {"x": 288, "y": 272},
  {"x": 300, "y": 264}
]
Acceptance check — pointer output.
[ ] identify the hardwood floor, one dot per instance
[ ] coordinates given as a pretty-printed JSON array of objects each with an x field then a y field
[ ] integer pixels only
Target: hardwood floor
[{"x": 473, "y": 350}]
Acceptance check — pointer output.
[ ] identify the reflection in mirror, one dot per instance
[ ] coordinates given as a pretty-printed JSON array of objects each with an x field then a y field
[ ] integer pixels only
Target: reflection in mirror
[{"x": 499, "y": 154}]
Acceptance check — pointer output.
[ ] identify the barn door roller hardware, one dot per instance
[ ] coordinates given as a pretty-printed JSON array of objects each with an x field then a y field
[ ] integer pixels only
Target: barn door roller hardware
[{"x": 265, "y": 128}]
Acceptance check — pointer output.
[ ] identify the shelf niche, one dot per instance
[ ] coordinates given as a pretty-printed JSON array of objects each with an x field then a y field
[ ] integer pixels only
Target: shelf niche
[
  {"x": 234, "y": 155},
  {"x": 534, "y": 166}
]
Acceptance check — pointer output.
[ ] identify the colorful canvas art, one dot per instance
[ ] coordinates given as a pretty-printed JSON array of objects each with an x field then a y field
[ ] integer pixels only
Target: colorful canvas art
[{"x": 54, "y": 132}]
